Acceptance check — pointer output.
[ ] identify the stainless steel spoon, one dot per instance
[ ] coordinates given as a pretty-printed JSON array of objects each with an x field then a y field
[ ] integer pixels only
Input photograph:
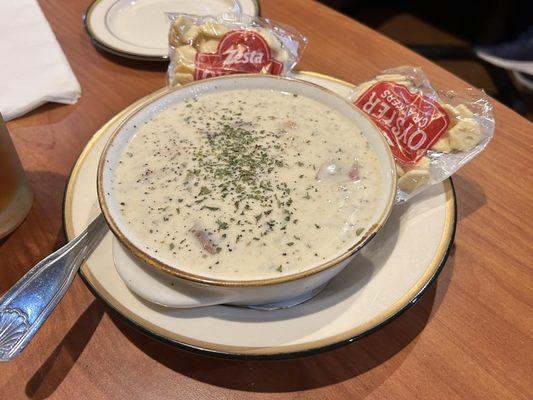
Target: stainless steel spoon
[{"x": 25, "y": 306}]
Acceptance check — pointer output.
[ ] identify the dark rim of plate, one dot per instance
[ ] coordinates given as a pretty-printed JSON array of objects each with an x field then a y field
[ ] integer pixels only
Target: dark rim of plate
[{"x": 281, "y": 355}]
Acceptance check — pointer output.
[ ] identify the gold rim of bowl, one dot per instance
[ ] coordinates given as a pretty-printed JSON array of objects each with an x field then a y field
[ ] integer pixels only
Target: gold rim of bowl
[{"x": 174, "y": 270}]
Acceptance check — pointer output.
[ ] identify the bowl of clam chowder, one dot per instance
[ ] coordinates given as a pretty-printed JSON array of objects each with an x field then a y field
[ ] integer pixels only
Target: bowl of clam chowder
[{"x": 258, "y": 188}]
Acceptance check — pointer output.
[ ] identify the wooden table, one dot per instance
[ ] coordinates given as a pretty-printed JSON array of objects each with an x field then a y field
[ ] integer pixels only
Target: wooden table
[{"x": 469, "y": 337}]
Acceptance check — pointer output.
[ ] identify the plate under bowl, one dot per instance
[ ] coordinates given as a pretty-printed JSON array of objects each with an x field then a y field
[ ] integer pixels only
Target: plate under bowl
[{"x": 399, "y": 266}]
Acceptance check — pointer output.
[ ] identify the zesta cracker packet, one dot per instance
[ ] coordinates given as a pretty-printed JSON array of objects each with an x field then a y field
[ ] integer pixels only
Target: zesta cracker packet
[{"x": 202, "y": 47}]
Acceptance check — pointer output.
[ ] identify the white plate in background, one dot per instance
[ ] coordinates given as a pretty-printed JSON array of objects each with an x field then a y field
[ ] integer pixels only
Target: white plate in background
[{"x": 139, "y": 28}]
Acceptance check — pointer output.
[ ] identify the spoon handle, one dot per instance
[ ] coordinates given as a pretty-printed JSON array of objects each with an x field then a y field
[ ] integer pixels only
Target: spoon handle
[{"x": 25, "y": 306}]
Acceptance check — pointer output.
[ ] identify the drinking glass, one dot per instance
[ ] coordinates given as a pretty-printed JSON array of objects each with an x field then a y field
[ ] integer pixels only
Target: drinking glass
[{"x": 15, "y": 193}]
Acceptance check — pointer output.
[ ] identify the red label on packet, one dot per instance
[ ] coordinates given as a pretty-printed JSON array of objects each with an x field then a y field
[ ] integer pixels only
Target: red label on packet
[
  {"x": 411, "y": 122},
  {"x": 238, "y": 51}
]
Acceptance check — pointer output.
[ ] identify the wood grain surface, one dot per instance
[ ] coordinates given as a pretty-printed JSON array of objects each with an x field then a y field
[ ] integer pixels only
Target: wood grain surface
[{"x": 470, "y": 337}]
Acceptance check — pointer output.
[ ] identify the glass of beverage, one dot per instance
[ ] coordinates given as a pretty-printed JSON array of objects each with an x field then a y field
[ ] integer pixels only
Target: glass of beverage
[{"x": 15, "y": 193}]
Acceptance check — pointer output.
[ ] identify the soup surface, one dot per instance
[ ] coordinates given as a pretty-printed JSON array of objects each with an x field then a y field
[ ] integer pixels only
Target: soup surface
[{"x": 247, "y": 184}]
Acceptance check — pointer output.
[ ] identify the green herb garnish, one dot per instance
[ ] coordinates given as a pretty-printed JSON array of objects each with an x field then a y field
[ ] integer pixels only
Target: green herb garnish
[
  {"x": 222, "y": 225},
  {"x": 204, "y": 190},
  {"x": 210, "y": 208}
]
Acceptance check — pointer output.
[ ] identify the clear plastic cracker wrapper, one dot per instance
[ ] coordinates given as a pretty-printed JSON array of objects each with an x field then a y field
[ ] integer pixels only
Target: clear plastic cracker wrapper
[
  {"x": 207, "y": 46},
  {"x": 431, "y": 134}
]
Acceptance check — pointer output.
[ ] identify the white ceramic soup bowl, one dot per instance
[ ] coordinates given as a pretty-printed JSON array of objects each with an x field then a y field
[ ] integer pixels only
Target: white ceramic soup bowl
[{"x": 196, "y": 290}]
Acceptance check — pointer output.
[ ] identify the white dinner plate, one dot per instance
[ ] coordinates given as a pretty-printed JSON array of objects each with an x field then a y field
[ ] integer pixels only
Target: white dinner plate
[
  {"x": 388, "y": 276},
  {"x": 139, "y": 28}
]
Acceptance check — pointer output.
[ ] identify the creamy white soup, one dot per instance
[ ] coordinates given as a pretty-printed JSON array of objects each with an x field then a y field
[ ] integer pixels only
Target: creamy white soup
[{"x": 247, "y": 184}]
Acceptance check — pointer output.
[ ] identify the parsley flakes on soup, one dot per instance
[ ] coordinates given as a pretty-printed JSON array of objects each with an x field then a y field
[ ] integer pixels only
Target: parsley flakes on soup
[{"x": 247, "y": 184}]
